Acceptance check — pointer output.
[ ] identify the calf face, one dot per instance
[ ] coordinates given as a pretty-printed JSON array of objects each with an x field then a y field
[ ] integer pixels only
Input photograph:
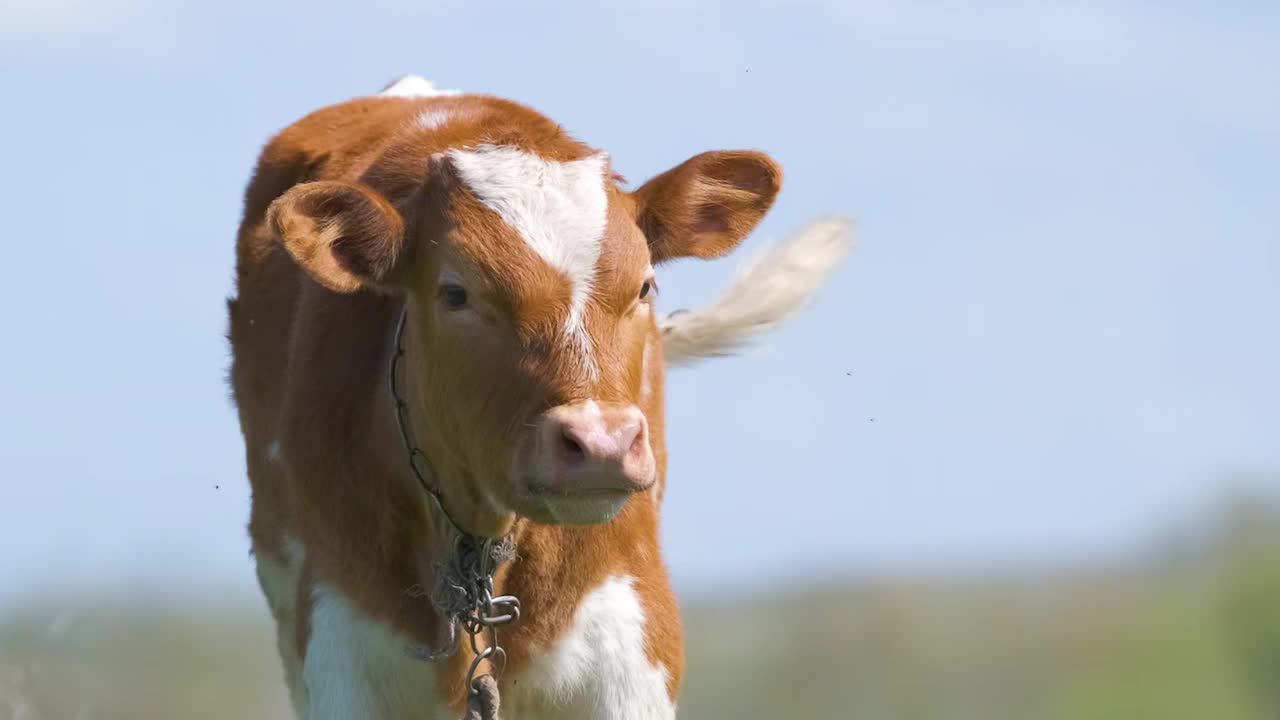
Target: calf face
[{"x": 534, "y": 363}]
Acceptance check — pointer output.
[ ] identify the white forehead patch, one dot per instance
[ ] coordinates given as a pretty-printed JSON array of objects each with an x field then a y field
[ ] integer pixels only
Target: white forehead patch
[
  {"x": 413, "y": 86},
  {"x": 558, "y": 208}
]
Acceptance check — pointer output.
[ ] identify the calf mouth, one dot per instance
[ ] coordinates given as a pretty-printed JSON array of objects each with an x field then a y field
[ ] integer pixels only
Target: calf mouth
[{"x": 579, "y": 506}]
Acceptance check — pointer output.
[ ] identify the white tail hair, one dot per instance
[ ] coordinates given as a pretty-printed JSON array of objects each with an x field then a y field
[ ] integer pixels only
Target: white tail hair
[{"x": 767, "y": 289}]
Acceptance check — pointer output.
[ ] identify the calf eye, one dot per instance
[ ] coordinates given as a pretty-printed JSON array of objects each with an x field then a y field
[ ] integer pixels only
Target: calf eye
[
  {"x": 454, "y": 296},
  {"x": 648, "y": 287}
]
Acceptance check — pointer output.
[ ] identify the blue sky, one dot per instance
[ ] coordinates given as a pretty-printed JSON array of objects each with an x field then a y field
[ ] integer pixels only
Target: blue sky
[{"x": 1058, "y": 334}]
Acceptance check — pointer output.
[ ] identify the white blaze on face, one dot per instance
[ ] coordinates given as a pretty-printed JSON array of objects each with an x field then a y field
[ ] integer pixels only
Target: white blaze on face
[{"x": 557, "y": 207}]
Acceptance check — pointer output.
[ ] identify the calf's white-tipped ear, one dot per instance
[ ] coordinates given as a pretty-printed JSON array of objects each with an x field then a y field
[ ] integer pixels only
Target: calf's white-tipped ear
[{"x": 768, "y": 289}]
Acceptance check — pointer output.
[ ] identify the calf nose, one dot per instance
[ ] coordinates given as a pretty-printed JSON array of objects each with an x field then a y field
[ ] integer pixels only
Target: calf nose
[{"x": 589, "y": 447}]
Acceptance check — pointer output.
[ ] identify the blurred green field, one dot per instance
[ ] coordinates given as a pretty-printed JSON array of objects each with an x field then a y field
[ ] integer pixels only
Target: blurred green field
[{"x": 1188, "y": 630}]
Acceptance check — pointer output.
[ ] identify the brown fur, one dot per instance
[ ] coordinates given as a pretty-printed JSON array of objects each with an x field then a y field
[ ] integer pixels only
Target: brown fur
[{"x": 348, "y": 218}]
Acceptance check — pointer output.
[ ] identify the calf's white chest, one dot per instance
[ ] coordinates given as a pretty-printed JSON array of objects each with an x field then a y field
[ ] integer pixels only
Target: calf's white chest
[{"x": 597, "y": 668}]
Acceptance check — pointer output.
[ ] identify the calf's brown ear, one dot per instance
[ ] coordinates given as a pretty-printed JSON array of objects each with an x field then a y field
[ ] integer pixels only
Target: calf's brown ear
[
  {"x": 705, "y": 206},
  {"x": 345, "y": 235}
]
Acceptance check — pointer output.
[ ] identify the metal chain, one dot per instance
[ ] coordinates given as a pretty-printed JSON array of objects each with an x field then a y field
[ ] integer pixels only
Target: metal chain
[
  {"x": 467, "y": 574},
  {"x": 418, "y": 461}
]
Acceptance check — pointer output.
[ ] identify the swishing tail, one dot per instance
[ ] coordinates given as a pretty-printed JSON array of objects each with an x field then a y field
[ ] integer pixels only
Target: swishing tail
[{"x": 770, "y": 287}]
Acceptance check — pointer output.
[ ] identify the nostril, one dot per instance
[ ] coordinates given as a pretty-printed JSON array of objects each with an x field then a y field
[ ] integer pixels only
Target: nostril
[
  {"x": 573, "y": 452},
  {"x": 638, "y": 443}
]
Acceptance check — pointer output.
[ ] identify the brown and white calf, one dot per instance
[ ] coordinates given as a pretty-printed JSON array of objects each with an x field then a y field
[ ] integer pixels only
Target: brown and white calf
[{"x": 533, "y": 374}]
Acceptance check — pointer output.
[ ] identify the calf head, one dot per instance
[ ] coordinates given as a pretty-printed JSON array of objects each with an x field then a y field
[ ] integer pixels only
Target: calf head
[{"x": 534, "y": 362}]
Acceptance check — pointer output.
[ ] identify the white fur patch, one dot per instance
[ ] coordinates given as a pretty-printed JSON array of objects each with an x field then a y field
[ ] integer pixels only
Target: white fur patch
[
  {"x": 557, "y": 207},
  {"x": 598, "y": 667},
  {"x": 432, "y": 119},
  {"x": 413, "y": 86},
  {"x": 278, "y": 578},
  {"x": 767, "y": 290},
  {"x": 357, "y": 668}
]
